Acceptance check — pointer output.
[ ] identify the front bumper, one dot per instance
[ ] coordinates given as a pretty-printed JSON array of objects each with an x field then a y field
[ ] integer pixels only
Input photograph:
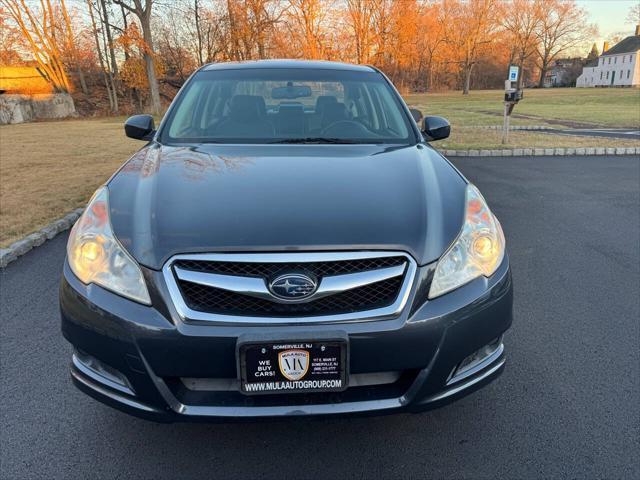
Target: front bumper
[{"x": 135, "y": 357}]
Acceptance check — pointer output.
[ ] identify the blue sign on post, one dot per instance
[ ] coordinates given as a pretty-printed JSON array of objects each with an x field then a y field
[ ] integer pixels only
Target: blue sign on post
[{"x": 513, "y": 73}]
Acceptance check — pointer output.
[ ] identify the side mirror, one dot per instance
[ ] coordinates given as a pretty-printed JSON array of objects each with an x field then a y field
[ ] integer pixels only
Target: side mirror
[
  {"x": 435, "y": 128},
  {"x": 140, "y": 127},
  {"x": 416, "y": 114}
]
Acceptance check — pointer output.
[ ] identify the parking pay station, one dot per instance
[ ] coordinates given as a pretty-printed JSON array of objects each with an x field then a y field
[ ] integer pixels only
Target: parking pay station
[{"x": 512, "y": 95}]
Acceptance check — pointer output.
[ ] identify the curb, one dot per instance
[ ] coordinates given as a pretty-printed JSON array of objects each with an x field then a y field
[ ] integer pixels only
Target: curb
[
  {"x": 511, "y": 127},
  {"x": 540, "y": 152},
  {"x": 19, "y": 248}
]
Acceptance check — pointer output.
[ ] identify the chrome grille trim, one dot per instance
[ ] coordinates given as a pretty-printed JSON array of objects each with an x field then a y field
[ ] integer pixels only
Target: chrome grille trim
[
  {"x": 189, "y": 315},
  {"x": 257, "y": 287}
]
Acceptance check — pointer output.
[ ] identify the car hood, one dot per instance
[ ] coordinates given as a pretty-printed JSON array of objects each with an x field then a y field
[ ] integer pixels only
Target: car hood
[{"x": 213, "y": 198}]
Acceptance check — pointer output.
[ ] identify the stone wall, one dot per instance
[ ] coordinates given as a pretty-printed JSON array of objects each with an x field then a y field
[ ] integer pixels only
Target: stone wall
[{"x": 26, "y": 108}]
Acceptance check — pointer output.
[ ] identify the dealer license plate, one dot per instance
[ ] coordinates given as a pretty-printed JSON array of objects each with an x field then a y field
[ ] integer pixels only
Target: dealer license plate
[{"x": 292, "y": 367}]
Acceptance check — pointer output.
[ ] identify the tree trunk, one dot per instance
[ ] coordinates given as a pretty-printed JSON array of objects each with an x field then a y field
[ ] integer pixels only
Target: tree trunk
[
  {"x": 109, "y": 71},
  {"x": 107, "y": 30},
  {"x": 198, "y": 33},
  {"x": 154, "y": 89},
  {"x": 83, "y": 83},
  {"x": 233, "y": 31},
  {"x": 543, "y": 72},
  {"x": 467, "y": 79},
  {"x": 134, "y": 91},
  {"x": 99, "y": 52}
]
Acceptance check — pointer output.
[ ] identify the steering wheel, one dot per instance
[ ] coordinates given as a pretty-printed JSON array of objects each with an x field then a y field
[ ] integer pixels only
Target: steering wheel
[{"x": 346, "y": 128}]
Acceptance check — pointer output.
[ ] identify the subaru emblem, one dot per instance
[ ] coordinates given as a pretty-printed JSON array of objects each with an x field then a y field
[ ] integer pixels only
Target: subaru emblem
[{"x": 293, "y": 286}]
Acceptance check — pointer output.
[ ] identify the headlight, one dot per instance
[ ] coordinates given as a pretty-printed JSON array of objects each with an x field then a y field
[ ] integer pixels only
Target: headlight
[
  {"x": 478, "y": 250},
  {"x": 96, "y": 256}
]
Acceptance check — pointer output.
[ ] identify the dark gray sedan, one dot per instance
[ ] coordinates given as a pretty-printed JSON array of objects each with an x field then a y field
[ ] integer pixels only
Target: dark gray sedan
[{"x": 287, "y": 242}]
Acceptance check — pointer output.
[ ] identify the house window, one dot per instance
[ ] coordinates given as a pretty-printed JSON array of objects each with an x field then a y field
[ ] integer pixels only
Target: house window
[
  {"x": 628, "y": 73},
  {"x": 615, "y": 60},
  {"x": 621, "y": 74},
  {"x": 601, "y": 75},
  {"x": 623, "y": 57},
  {"x": 631, "y": 58},
  {"x": 609, "y": 61},
  {"x": 607, "y": 75}
]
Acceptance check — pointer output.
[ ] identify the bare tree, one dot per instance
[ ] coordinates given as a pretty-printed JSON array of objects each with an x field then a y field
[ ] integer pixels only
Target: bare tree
[
  {"x": 633, "y": 17},
  {"x": 420, "y": 44},
  {"x": 110, "y": 65},
  {"x": 142, "y": 10},
  {"x": 431, "y": 28},
  {"x": 111, "y": 93},
  {"x": 213, "y": 35},
  {"x": 562, "y": 27},
  {"x": 40, "y": 29},
  {"x": 70, "y": 50},
  {"x": 384, "y": 18},
  {"x": 196, "y": 12},
  {"x": 359, "y": 18},
  {"x": 522, "y": 18},
  {"x": 172, "y": 45},
  {"x": 107, "y": 31},
  {"x": 474, "y": 24},
  {"x": 11, "y": 39},
  {"x": 306, "y": 20}
]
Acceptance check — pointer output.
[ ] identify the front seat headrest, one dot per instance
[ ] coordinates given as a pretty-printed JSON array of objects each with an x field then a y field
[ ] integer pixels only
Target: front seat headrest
[
  {"x": 246, "y": 108},
  {"x": 323, "y": 100},
  {"x": 333, "y": 112}
]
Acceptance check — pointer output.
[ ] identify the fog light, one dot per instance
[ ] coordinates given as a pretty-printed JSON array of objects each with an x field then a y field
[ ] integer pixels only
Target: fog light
[
  {"x": 469, "y": 364},
  {"x": 99, "y": 371}
]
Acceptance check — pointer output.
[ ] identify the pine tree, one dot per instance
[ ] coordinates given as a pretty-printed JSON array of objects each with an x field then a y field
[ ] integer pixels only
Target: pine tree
[{"x": 593, "y": 54}]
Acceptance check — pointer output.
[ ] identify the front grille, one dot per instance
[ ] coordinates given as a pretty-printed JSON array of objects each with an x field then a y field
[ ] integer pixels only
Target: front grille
[
  {"x": 267, "y": 270},
  {"x": 215, "y": 300},
  {"x": 202, "y": 299}
]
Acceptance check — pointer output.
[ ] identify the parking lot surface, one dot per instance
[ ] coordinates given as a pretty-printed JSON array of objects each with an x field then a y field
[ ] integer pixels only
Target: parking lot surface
[{"x": 568, "y": 404}]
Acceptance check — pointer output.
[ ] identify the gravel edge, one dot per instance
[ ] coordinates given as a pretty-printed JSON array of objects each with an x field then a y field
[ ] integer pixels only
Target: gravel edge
[{"x": 19, "y": 248}]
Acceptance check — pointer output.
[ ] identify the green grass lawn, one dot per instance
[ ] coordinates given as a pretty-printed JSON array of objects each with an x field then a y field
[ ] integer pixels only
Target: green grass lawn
[
  {"x": 48, "y": 169},
  {"x": 477, "y": 138},
  {"x": 610, "y": 107}
]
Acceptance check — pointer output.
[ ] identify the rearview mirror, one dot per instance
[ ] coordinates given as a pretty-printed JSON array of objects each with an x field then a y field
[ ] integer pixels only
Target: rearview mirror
[
  {"x": 435, "y": 128},
  {"x": 140, "y": 127},
  {"x": 416, "y": 114},
  {"x": 291, "y": 91}
]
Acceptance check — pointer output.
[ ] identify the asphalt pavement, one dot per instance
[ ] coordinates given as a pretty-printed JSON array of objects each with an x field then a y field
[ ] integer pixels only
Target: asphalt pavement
[{"x": 567, "y": 405}]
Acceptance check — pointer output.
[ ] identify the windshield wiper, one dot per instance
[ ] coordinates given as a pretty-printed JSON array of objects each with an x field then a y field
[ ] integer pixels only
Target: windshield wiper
[{"x": 315, "y": 140}]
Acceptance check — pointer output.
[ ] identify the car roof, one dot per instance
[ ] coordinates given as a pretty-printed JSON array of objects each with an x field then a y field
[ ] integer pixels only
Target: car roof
[{"x": 303, "y": 64}]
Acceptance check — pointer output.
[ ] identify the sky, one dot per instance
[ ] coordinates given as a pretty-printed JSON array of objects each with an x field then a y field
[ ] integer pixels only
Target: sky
[{"x": 610, "y": 16}]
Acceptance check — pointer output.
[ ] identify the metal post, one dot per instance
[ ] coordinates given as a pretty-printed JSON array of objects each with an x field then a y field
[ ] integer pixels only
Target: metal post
[
  {"x": 511, "y": 97},
  {"x": 505, "y": 124}
]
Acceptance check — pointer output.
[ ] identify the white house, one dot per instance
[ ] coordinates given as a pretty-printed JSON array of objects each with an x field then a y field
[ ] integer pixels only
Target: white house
[
  {"x": 563, "y": 72},
  {"x": 616, "y": 67}
]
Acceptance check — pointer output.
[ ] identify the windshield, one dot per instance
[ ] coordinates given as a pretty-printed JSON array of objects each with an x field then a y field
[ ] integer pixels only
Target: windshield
[{"x": 287, "y": 106}]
